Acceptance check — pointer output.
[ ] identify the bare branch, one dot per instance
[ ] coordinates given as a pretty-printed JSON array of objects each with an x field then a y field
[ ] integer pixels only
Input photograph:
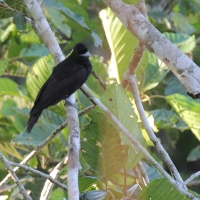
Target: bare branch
[
  {"x": 14, "y": 177},
  {"x": 73, "y": 151},
  {"x": 102, "y": 83},
  {"x": 192, "y": 177},
  {"x": 144, "y": 175},
  {"x": 48, "y": 186},
  {"x": 150, "y": 159},
  {"x": 184, "y": 69},
  {"x": 63, "y": 186},
  {"x": 154, "y": 139}
]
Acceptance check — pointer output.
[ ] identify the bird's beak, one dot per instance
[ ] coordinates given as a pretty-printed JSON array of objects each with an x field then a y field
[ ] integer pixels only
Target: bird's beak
[{"x": 87, "y": 54}]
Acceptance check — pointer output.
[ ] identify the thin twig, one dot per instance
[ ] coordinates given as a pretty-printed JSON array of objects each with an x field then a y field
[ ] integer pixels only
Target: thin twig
[
  {"x": 102, "y": 83},
  {"x": 63, "y": 186},
  {"x": 193, "y": 176},
  {"x": 152, "y": 136},
  {"x": 7, "y": 7},
  {"x": 143, "y": 172},
  {"x": 14, "y": 177},
  {"x": 138, "y": 177},
  {"x": 194, "y": 183}
]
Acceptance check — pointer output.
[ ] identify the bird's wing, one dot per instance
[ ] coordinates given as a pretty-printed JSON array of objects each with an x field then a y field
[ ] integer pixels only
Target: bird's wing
[{"x": 57, "y": 88}]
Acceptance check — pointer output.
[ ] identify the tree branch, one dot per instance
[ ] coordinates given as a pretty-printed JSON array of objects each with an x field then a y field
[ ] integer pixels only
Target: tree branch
[
  {"x": 42, "y": 144},
  {"x": 184, "y": 69},
  {"x": 150, "y": 159},
  {"x": 48, "y": 186},
  {"x": 154, "y": 139},
  {"x": 63, "y": 186},
  {"x": 14, "y": 177}
]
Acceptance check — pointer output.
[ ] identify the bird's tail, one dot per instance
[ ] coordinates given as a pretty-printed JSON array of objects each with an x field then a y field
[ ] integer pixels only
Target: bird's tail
[{"x": 31, "y": 122}]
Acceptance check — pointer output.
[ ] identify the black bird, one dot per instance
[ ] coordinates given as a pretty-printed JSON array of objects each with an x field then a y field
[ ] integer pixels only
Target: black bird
[{"x": 67, "y": 77}]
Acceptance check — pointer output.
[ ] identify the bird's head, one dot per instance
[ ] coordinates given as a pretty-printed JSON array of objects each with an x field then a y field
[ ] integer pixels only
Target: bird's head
[{"x": 81, "y": 50}]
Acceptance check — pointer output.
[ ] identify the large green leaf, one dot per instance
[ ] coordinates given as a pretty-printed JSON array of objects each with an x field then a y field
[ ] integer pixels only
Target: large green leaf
[
  {"x": 34, "y": 51},
  {"x": 10, "y": 149},
  {"x": 160, "y": 189},
  {"x": 117, "y": 102},
  {"x": 173, "y": 86},
  {"x": 20, "y": 21},
  {"x": 165, "y": 119},
  {"x": 181, "y": 23},
  {"x": 17, "y": 68},
  {"x": 86, "y": 182},
  {"x": 16, "y": 119},
  {"x": 8, "y": 87},
  {"x": 40, "y": 132},
  {"x": 188, "y": 110},
  {"x": 40, "y": 72},
  {"x": 75, "y": 20},
  {"x": 101, "y": 146},
  {"x": 184, "y": 42},
  {"x": 63, "y": 18},
  {"x": 122, "y": 43}
]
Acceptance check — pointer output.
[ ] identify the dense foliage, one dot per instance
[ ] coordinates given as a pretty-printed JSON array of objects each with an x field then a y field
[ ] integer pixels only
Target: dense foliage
[{"x": 25, "y": 64}]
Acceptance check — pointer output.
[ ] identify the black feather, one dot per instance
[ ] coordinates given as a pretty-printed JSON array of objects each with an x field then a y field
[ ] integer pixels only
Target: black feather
[{"x": 68, "y": 76}]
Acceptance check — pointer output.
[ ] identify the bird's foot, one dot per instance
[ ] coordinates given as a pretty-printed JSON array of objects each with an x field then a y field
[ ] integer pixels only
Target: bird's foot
[{"x": 67, "y": 102}]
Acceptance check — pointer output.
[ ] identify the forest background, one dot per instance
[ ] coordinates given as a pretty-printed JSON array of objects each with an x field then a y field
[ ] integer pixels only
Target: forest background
[{"x": 110, "y": 163}]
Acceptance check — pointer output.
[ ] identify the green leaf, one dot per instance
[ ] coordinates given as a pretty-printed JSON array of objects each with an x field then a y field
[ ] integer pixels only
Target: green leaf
[
  {"x": 101, "y": 146},
  {"x": 165, "y": 119},
  {"x": 40, "y": 132},
  {"x": 35, "y": 186},
  {"x": 76, "y": 20},
  {"x": 121, "y": 42},
  {"x": 151, "y": 71},
  {"x": 117, "y": 102},
  {"x": 16, "y": 5},
  {"x": 85, "y": 182},
  {"x": 194, "y": 154},
  {"x": 184, "y": 42},
  {"x": 181, "y": 24},
  {"x": 160, "y": 189},
  {"x": 101, "y": 69},
  {"x": 188, "y": 110},
  {"x": 94, "y": 194},
  {"x": 8, "y": 87},
  {"x": 7, "y": 33},
  {"x": 10, "y": 149},
  {"x": 130, "y": 1},
  {"x": 173, "y": 86},
  {"x": 41, "y": 70},
  {"x": 3, "y": 65},
  {"x": 189, "y": 7},
  {"x": 34, "y": 51},
  {"x": 17, "y": 68},
  {"x": 57, "y": 193},
  {"x": 20, "y": 21}
]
